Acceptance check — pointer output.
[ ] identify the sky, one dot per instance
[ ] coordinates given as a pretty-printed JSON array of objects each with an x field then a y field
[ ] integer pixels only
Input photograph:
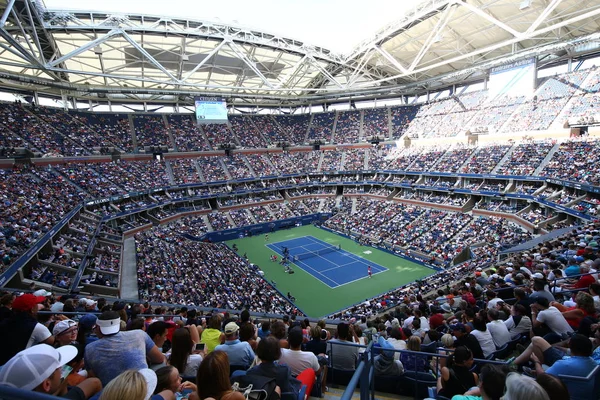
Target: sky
[{"x": 337, "y": 25}]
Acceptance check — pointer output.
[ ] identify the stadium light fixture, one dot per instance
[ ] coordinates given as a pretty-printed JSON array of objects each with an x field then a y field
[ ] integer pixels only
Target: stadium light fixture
[{"x": 98, "y": 50}]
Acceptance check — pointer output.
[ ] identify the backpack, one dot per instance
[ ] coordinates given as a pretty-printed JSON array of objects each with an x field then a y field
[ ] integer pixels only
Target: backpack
[{"x": 255, "y": 387}]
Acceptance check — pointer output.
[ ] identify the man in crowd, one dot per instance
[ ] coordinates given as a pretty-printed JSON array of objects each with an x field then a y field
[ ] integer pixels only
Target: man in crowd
[
  {"x": 344, "y": 355},
  {"x": 39, "y": 368},
  {"x": 240, "y": 353},
  {"x": 22, "y": 330},
  {"x": 116, "y": 351}
]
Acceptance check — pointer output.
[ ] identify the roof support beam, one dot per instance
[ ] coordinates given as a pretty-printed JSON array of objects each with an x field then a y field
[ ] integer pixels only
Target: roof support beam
[
  {"x": 148, "y": 56},
  {"x": 442, "y": 22},
  {"x": 236, "y": 49},
  {"x": 392, "y": 60},
  {"x": 85, "y": 47},
  {"x": 324, "y": 71},
  {"x": 489, "y": 18},
  {"x": 553, "y": 4},
  {"x": 496, "y": 46},
  {"x": 6, "y": 13}
]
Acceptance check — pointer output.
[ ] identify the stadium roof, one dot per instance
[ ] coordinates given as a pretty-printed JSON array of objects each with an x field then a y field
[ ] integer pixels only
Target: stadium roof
[{"x": 132, "y": 57}]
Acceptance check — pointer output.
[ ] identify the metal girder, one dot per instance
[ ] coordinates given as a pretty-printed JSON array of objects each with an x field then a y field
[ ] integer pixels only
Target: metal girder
[
  {"x": 6, "y": 13},
  {"x": 240, "y": 53},
  {"x": 442, "y": 22},
  {"x": 86, "y": 47},
  {"x": 100, "y": 21},
  {"x": 516, "y": 38}
]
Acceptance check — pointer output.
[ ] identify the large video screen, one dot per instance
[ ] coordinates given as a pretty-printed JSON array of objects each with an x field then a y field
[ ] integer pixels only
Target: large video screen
[
  {"x": 512, "y": 80},
  {"x": 210, "y": 110}
]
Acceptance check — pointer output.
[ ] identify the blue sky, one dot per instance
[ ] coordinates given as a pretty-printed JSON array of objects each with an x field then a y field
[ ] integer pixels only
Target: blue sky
[{"x": 338, "y": 25}]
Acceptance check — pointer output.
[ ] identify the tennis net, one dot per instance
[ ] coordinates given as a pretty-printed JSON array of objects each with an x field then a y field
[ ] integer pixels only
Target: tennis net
[{"x": 316, "y": 253}]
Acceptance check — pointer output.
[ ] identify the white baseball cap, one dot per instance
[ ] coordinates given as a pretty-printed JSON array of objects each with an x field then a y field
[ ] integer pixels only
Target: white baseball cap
[
  {"x": 63, "y": 326},
  {"x": 109, "y": 326},
  {"x": 30, "y": 367},
  {"x": 42, "y": 292}
]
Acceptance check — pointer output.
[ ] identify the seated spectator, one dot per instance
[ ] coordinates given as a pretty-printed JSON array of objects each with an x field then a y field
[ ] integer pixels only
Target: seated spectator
[
  {"x": 414, "y": 362},
  {"x": 248, "y": 334},
  {"x": 135, "y": 385},
  {"x": 579, "y": 364},
  {"x": 483, "y": 335},
  {"x": 265, "y": 329},
  {"x": 304, "y": 365},
  {"x": 342, "y": 356},
  {"x": 519, "y": 387},
  {"x": 459, "y": 331},
  {"x": 38, "y": 368},
  {"x": 212, "y": 379},
  {"x": 168, "y": 378},
  {"x": 182, "y": 355},
  {"x": 22, "y": 330},
  {"x": 497, "y": 329},
  {"x": 518, "y": 323},
  {"x": 584, "y": 308},
  {"x": 158, "y": 331},
  {"x": 65, "y": 332},
  {"x": 490, "y": 387},
  {"x": 554, "y": 387},
  {"x": 398, "y": 340},
  {"x": 317, "y": 344},
  {"x": 549, "y": 322},
  {"x": 268, "y": 351},
  {"x": 447, "y": 348},
  {"x": 456, "y": 377},
  {"x": 116, "y": 352},
  {"x": 384, "y": 363},
  {"x": 279, "y": 330},
  {"x": 212, "y": 336},
  {"x": 240, "y": 353}
]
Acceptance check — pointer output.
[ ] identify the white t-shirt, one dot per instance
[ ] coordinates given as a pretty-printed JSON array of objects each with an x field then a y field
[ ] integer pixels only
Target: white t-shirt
[
  {"x": 299, "y": 360},
  {"x": 485, "y": 341},
  {"x": 499, "y": 333},
  {"x": 523, "y": 327},
  {"x": 39, "y": 334},
  {"x": 554, "y": 320},
  {"x": 192, "y": 365},
  {"x": 398, "y": 344},
  {"x": 494, "y": 302}
]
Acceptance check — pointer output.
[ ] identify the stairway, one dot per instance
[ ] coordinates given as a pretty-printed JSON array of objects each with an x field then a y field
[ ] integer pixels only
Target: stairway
[{"x": 546, "y": 160}]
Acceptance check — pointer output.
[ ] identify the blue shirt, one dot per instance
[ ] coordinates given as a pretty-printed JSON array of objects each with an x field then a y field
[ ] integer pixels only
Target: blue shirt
[
  {"x": 240, "y": 353},
  {"x": 110, "y": 356},
  {"x": 576, "y": 366}
]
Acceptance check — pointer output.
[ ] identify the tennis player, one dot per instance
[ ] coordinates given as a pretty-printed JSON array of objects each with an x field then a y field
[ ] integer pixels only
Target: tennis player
[{"x": 369, "y": 271}]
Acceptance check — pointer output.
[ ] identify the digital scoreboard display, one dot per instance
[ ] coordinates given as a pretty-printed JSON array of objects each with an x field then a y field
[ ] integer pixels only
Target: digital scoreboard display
[{"x": 210, "y": 110}]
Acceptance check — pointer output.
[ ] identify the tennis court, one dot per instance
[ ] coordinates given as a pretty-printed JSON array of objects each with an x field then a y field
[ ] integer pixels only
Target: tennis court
[
  {"x": 329, "y": 264},
  {"x": 336, "y": 278}
]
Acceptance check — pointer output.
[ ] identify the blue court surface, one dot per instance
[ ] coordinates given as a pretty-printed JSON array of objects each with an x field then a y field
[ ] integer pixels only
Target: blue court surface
[{"x": 334, "y": 268}]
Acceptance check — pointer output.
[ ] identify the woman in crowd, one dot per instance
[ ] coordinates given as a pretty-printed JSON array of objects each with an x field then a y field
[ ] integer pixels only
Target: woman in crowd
[
  {"x": 212, "y": 380},
  {"x": 483, "y": 335},
  {"x": 520, "y": 387},
  {"x": 414, "y": 362},
  {"x": 584, "y": 308},
  {"x": 182, "y": 354},
  {"x": 212, "y": 336},
  {"x": 456, "y": 377},
  {"x": 447, "y": 349},
  {"x": 168, "y": 378}
]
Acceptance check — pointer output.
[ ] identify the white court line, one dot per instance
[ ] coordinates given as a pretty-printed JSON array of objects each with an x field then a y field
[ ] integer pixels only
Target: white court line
[
  {"x": 356, "y": 280},
  {"x": 312, "y": 269},
  {"x": 352, "y": 256}
]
